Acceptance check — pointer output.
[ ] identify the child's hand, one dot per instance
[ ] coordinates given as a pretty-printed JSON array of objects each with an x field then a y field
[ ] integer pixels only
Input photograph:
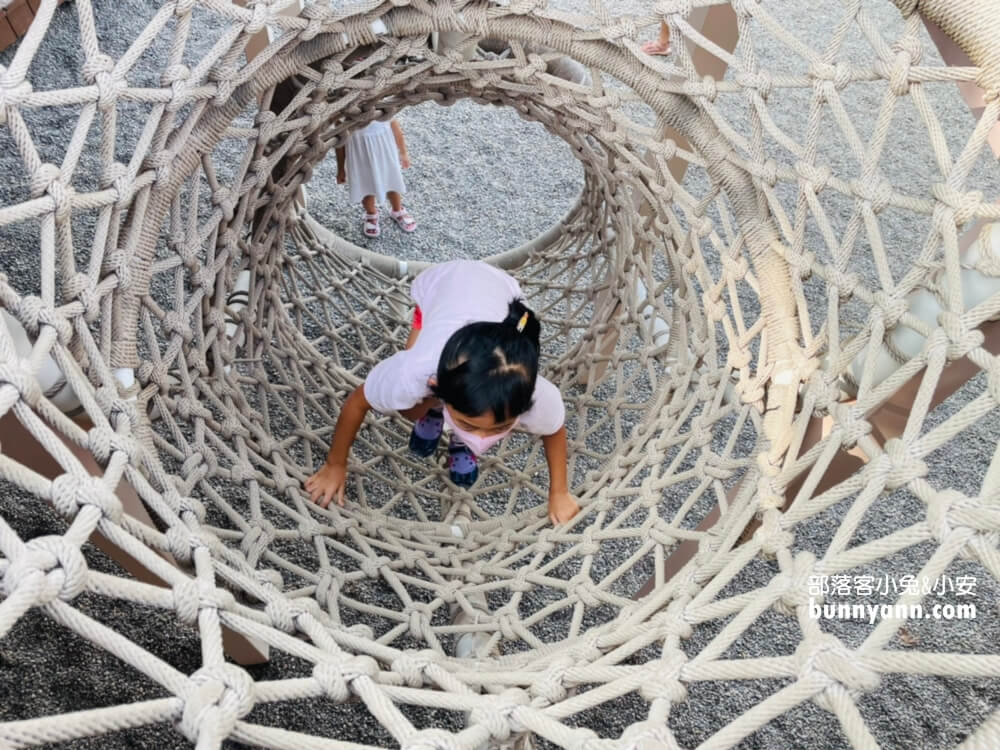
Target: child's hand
[
  {"x": 341, "y": 176},
  {"x": 562, "y": 507},
  {"x": 327, "y": 482},
  {"x": 404, "y": 161}
]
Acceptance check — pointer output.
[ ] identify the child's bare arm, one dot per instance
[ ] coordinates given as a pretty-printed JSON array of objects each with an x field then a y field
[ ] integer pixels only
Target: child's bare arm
[
  {"x": 397, "y": 132},
  {"x": 341, "y": 153},
  {"x": 330, "y": 480},
  {"x": 562, "y": 504}
]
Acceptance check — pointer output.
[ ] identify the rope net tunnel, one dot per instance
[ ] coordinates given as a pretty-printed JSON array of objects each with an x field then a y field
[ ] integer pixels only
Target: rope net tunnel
[{"x": 770, "y": 314}]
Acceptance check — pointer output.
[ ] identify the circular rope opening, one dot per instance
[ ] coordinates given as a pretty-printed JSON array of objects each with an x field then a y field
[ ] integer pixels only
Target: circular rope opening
[{"x": 731, "y": 316}]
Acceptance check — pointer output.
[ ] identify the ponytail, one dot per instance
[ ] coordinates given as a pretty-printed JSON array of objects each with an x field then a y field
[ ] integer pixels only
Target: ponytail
[
  {"x": 492, "y": 367},
  {"x": 524, "y": 322}
]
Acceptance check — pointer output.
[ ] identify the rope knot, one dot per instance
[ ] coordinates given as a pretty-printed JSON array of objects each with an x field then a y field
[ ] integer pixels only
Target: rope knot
[
  {"x": 69, "y": 492},
  {"x": 892, "y": 305},
  {"x": 117, "y": 262},
  {"x": 536, "y": 64},
  {"x": 771, "y": 535},
  {"x": 50, "y": 565},
  {"x": 939, "y": 506},
  {"x": 97, "y": 65},
  {"x": 796, "y": 581},
  {"x": 964, "y": 205},
  {"x": 877, "y": 193},
  {"x": 851, "y": 424},
  {"x": 33, "y": 313},
  {"x": 410, "y": 665},
  {"x": 370, "y": 566},
  {"x": 12, "y": 95},
  {"x": 17, "y": 374},
  {"x": 962, "y": 338},
  {"x": 282, "y": 615},
  {"x": 519, "y": 582},
  {"x": 759, "y": 81},
  {"x": 114, "y": 406},
  {"x": 162, "y": 162},
  {"x": 498, "y": 718},
  {"x": 103, "y": 442},
  {"x": 582, "y": 587},
  {"x": 769, "y": 173},
  {"x": 419, "y": 624},
  {"x": 174, "y": 323},
  {"x": 110, "y": 87},
  {"x": 838, "y": 75},
  {"x": 192, "y": 505},
  {"x": 182, "y": 542},
  {"x": 910, "y": 46},
  {"x": 193, "y": 595},
  {"x": 623, "y": 28},
  {"x": 827, "y": 656},
  {"x": 241, "y": 472},
  {"x": 269, "y": 577},
  {"x": 813, "y": 176},
  {"x": 550, "y": 688},
  {"x": 79, "y": 288},
  {"x": 318, "y": 15},
  {"x": 215, "y": 698},
  {"x": 903, "y": 465},
  {"x": 175, "y": 74},
  {"x": 665, "y": 678},
  {"x": 258, "y": 19},
  {"x": 330, "y": 676},
  {"x": 257, "y": 539}
]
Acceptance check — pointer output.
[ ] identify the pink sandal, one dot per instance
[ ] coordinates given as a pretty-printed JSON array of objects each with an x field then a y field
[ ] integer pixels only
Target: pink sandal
[
  {"x": 369, "y": 225},
  {"x": 403, "y": 219},
  {"x": 655, "y": 48}
]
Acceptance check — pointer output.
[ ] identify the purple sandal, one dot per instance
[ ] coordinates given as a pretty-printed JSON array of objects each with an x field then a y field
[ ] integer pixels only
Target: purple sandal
[
  {"x": 463, "y": 465},
  {"x": 426, "y": 433}
]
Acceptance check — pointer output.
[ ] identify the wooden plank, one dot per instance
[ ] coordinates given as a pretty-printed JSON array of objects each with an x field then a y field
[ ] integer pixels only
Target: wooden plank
[
  {"x": 7, "y": 35},
  {"x": 20, "y": 15}
]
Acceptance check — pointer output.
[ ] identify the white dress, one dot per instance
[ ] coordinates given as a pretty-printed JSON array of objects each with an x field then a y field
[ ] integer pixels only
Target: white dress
[{"x": 373, "y": 162}]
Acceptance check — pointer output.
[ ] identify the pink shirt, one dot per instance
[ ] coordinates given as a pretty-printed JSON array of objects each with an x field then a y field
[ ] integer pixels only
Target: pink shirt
[{"x": 451, "y": 295}]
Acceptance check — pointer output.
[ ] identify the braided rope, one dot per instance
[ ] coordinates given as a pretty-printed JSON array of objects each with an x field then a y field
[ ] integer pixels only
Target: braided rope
[{"x": 724, "y": 310}]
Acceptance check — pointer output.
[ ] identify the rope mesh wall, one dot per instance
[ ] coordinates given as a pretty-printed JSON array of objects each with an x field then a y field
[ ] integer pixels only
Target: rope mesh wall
[{"x": 729, "y": 311}]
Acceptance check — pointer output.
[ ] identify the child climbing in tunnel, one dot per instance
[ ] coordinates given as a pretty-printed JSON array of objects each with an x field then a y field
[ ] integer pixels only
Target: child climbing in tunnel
[
  {"x": 471, "y": 362},
  {"x": 371, "y": 163}
]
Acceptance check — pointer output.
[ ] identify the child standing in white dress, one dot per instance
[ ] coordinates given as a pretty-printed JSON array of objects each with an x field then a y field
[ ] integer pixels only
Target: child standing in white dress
[{"x": 371, "y": 163}]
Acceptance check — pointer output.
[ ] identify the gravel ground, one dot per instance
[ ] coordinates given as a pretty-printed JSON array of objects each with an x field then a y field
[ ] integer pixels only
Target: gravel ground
[{"x": 482, "y": 181}]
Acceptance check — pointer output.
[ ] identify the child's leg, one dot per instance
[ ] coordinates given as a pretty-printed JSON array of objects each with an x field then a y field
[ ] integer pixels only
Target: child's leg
[
  {"x": 427, "y": 428},
  {"x": 662, "y": 45},
  {"x": 369, "y": 222},
  {"x": 399, "y": 213},
  {"x": 463, "y": 466}
]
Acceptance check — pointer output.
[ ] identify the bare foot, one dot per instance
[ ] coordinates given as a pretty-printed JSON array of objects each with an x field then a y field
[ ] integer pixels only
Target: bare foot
[{"x": 656, "y": 48}]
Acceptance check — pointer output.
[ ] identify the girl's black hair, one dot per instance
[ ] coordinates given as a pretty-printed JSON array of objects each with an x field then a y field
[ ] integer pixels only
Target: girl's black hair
[{"x": 491, "y": 367}]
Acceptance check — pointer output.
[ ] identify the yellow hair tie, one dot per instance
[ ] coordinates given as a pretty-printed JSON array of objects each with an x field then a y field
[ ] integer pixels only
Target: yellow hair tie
[{"x": 522, "y": 323}]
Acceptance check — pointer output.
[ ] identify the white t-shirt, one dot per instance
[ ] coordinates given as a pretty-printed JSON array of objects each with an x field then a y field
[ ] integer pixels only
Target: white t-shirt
[{"x": 451, "y": 295}]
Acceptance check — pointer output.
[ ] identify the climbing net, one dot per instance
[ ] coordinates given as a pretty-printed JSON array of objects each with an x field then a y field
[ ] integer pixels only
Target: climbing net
[{"x": 770, "y": 319}]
